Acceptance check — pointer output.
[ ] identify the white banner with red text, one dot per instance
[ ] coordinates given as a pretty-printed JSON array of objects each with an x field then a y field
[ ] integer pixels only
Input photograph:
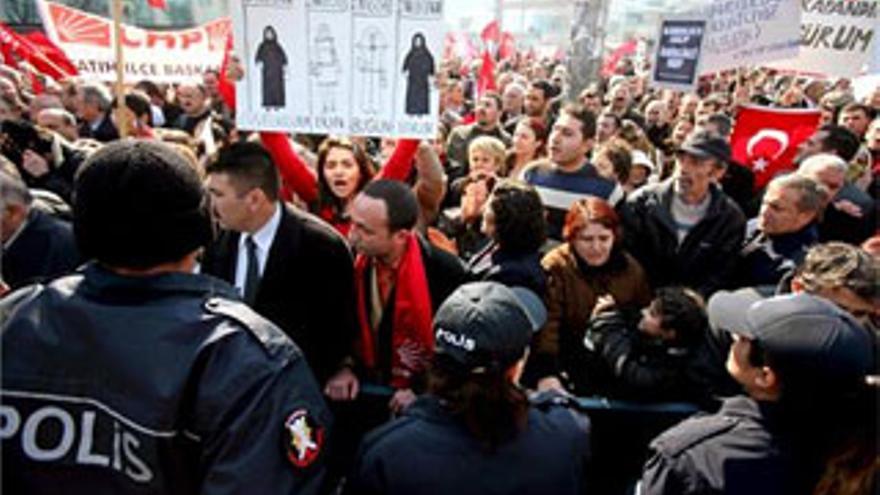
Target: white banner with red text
[{"x": 160, "y": 56}]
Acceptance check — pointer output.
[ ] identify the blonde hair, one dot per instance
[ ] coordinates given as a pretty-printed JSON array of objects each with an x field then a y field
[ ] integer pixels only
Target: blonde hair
[{"x": 494, "y": 148}]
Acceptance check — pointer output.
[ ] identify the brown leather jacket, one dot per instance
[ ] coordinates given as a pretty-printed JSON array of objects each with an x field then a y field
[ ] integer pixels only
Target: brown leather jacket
[{"x": 571, "y": 295}]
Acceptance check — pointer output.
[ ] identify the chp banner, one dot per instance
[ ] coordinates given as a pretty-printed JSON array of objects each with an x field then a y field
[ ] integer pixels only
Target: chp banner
[
  {"x": 677, "y": 58},
  {"x": 160, "y": 56},
  {"x": 766, "y": 139},
  {"x": 838, "y": 38},
  {"x": 747, "y": 32},
  {"x": 336, "y": 66}
]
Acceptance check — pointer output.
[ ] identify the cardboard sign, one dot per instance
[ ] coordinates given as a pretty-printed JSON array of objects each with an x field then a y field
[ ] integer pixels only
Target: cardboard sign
[
  {"x": 745, "y": 32},
  {"x": 335, "y": 66},
  {"x": 838, "y": 38}
]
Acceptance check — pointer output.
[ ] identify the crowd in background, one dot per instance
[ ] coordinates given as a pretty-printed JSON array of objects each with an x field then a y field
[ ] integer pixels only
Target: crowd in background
[{"x": 620, "y": 207}]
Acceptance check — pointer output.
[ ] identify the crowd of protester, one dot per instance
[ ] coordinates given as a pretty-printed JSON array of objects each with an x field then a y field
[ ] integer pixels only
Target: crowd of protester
[{"x": 666, "y": 277}]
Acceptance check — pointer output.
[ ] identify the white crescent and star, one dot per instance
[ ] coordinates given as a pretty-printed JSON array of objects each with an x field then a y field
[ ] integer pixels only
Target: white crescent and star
[{"x": 781, "y": 137}]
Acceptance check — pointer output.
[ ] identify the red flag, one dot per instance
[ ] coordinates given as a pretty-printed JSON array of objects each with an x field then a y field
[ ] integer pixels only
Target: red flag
[
  {"x": 486, "y": 79},
  {"x": 766, "y": 139},
  {"x": 157, "y": 4},
  {"x": 14, "y": 45},
  {"x": 624, "y": 50},
  {"x": 225, "y": 87},
  {"x": 491, "y": 33},
  {"x": 507, "y": 46},
  {"x": 64, "y": 67}
]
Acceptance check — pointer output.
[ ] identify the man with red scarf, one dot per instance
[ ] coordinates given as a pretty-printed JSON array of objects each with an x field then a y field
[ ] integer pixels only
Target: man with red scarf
[{"x": 400, "y": 280}]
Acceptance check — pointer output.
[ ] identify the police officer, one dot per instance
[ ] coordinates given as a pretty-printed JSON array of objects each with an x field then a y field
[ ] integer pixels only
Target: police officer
[
  {"x": 475, "y": 431},
  {"x": 136, "y": 375},
  {"x": 802, "y": 362}
]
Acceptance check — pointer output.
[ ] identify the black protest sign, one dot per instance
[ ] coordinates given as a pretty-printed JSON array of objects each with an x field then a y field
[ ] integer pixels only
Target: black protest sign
[{"x": 677, "y": 59}]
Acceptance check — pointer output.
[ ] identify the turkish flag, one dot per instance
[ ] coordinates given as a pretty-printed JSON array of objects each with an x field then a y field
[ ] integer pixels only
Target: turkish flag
[
  {"x": 766, "y": 139},
  {"x": 486, "y": 78},
  {"x": 157, "y": 4}
]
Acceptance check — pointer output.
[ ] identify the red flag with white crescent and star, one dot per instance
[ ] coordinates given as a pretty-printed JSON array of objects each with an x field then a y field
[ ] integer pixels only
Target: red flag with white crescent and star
[{"x": 766, "y": 139}]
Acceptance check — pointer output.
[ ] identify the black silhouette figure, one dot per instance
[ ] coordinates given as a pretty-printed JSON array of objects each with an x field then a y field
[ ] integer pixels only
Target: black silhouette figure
[
  {"x": 274, "y": 60},
  {"x": 419, "y": 64}
]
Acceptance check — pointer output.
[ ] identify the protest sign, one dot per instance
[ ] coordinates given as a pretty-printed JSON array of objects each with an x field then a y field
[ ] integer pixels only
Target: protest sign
[
  {"x": 746, "y": 32},
  {"x": 335, "y": 66},
  {"x": 677, "y": 58},
  {"x": 160, "y": 56},
  {"x": 838, "y": 37}
]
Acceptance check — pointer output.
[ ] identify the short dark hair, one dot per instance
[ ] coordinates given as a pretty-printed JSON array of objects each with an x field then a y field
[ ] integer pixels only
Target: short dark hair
[
  {"x": 859, "y": 107},
  {"x": 548, "y": 90},
  {"x": 400, "y": 202},
  {"x": 584, "y": 116},
  {"x": 682, "y": 310},
  {"x": 722, "y": 122},
  {"x": 495, "y": 97},
  {"x": 138, "y": 204},
  {"x": 250, "y": 166},
  {"x": 840, "y": 141},
  {"x": 520, "y": 227},
  {"x": 619, "y": 153},
  {"x": 139, "y": 103}
]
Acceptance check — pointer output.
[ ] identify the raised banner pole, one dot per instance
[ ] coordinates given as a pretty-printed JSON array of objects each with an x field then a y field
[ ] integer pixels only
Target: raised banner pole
[{"x": 120, "y": 70}]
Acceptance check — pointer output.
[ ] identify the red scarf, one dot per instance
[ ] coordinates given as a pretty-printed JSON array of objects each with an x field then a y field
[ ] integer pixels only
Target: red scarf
[{"x": 412, "y": 338}]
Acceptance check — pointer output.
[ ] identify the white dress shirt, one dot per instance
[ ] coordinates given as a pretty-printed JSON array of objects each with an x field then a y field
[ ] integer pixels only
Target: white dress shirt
[{"x": 263, "y": 238}]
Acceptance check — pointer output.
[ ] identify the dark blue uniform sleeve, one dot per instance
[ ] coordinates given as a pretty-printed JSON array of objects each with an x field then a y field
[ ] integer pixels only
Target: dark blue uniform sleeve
[{"x": 261, "y": 420}]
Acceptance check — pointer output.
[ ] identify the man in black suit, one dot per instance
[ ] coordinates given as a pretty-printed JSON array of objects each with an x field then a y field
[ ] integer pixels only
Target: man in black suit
[
  {"x": 93, "y": 102},
  {"x": 290, "y": 266},
  {"x": 34, "y": 245}
]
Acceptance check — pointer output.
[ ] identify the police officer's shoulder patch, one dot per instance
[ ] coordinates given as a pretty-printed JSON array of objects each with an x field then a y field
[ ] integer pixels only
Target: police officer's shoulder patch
[
  {"x": 691, "y": 432},
  {"x": 304, "y": 438},
  {"x": 270, "y": 336}
]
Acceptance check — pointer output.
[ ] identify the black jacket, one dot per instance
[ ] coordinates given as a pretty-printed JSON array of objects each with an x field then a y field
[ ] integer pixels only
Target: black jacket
[
  {"x": 634, "y": 366},
  {"x": 428, "y": 451},
  {"x": 736, "y": 451},
  {"x": 164, "y": 384},
  {"x": 307, "y": 287},
  {"x": 105, "y": 132},
  {"x": 704, "y": 261},
  {"x": 45, "y": 248},
  {"x": 512, "y": 270}
]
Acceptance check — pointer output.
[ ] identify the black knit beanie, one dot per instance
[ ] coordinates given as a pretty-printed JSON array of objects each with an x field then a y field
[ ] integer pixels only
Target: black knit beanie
[{"x": 138, "y": 204}]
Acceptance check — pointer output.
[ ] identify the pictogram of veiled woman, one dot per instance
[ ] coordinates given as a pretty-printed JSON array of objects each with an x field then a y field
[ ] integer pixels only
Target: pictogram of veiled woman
[
  {"x": 274, "y": 61},
  {"x": 419, "y": 66}
]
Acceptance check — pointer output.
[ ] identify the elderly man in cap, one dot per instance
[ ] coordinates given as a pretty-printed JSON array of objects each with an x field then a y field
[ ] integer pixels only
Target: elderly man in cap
[
  {"x": 802, "y": 363},
  {"x": 476, "y": 432},
  {"x": 686, "y": 230}
]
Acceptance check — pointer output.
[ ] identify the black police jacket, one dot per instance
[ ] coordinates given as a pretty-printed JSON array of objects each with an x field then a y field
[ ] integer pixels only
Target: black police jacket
[
  {"x": 162, "y": 384},
  {"x": 428, "y": 452},
  {"x": 735, "y": 451}
]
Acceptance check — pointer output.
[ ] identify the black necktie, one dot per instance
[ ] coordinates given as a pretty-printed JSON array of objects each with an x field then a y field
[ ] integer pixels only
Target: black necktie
[{"x": 252, "y": 275}]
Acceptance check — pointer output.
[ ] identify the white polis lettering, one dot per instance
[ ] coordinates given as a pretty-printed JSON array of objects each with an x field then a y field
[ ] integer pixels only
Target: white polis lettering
[
  {"x": 141, "y": 473},
  {"x": 456, "y": 339},
  {"x": 10, "y": 420},
  {"x": 121, "y": 453},
  {"x": 29, "y": 434},
  {"x": 84, "y": 454}
]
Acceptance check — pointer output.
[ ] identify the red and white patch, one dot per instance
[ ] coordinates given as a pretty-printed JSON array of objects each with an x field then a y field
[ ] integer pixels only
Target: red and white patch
[{"x": 305, "y": 438}]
